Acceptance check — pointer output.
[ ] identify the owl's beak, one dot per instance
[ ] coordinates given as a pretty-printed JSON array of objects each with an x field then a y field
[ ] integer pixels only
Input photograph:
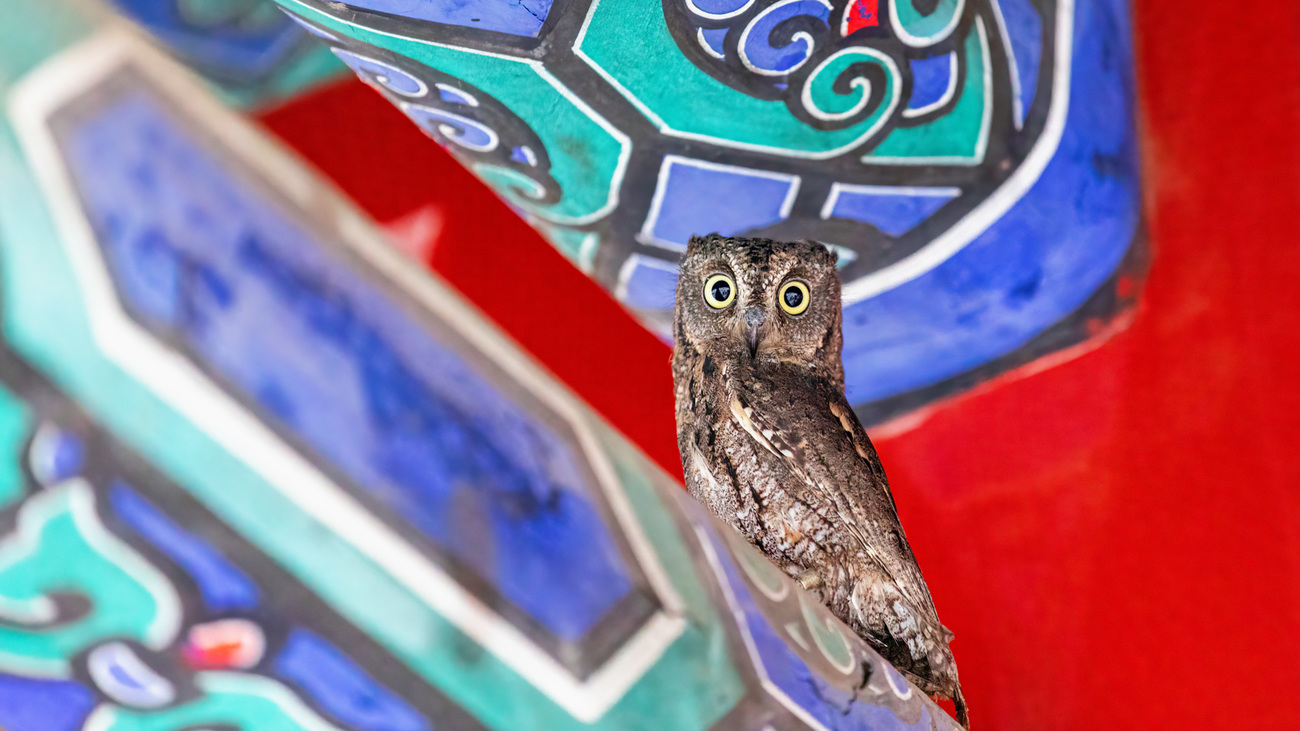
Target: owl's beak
[{"x": 754, "y": 320}]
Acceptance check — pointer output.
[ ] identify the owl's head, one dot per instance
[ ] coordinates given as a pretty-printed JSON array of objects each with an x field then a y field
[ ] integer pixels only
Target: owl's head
[{"x": 761, "y": 300}]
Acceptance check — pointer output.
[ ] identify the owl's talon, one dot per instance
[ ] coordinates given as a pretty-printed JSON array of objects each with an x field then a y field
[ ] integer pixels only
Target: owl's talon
[{"x": 809, "y": 580}]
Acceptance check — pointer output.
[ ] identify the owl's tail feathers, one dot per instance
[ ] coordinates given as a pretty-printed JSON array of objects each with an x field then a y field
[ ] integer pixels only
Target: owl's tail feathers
[
  {"x": 943, "y": 672},
  {"x": 913, "y": 641},
  {"x": 959, "y": 702}
]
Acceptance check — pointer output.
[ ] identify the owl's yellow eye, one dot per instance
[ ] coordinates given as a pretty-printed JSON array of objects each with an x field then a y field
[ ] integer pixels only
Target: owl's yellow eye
[
  {"x": 793, "y": 297},
  {"x": 719, "y": 291}
]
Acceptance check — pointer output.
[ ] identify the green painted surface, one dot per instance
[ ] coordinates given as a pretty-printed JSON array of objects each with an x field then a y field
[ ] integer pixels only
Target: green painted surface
[
  {"x": 624, "y": 33},
  {"x": 578, "y": 246},
  {"x": 59, "y": 547},
  {"x": 31, "y": 31},
  {"x": 927, "y": 28},
  {"x": 46, "y": 320},
  {"x": 585, "y": 155},
  {"x": 15, "y": 424},
  {"x": 229, "y": 700},
  {"x": 956, "y": 134},
  {"x": 697, "y": 672},
  {"x": 828, "y": 102}
]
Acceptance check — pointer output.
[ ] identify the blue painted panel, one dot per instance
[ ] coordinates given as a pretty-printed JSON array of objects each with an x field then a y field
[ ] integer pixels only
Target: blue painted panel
[
  {"x": 242, "y": 39},
  {"x": 516, "y": 17},
  {"x": 689, "y": 194},
  {"x": 1025, "y": 26},
  {"x": 758, "y": 48},
  {"x": 832, "y": 707},
  {"x": 222, "y": 585},
  {"x": 342, "y": 688},
  {"x": 384, "y": 74},
  {"x": 649, "y": 283},
  {"x": 56, "y": 455},
  {"x": 1040, "y": 261},
  {"x": 931, "y": 79},
  {"x": 715, "y": 38},
  {"x": 202, "y": 258},
  {"x": 43, "y": 705},
  {"x": 720, "y": 7},
  {"x": 892, "y": 210}
]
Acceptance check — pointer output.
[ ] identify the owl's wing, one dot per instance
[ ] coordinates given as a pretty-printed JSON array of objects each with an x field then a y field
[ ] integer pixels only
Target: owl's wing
[{"x": 822, "y": 444}]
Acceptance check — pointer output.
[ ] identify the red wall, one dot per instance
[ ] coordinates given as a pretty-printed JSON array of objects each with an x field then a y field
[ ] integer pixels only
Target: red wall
[{"x": 1115, "y": 540}]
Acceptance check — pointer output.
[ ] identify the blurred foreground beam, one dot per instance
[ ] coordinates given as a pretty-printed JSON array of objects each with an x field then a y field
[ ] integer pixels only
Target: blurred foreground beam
[{"x": 260, "y": 470}]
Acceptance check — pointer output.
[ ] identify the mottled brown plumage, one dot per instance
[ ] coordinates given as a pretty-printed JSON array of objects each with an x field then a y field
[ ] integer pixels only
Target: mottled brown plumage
[{"x": 770, "y": 444}]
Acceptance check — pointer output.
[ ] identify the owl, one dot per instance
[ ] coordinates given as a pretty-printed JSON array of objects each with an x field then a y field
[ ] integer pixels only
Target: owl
[{"x": 770, "y": 444}]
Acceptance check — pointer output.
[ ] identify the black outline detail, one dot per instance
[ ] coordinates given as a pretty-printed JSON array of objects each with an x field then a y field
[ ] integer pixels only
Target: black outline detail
[
  {"x": 1007, "y": 149},
  {"x": 623, "y": 620},
  {"x": 286, "y": 603}
]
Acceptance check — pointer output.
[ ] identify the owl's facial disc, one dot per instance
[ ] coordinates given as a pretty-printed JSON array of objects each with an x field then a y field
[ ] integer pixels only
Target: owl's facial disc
[{"x": 760, "y": 302}]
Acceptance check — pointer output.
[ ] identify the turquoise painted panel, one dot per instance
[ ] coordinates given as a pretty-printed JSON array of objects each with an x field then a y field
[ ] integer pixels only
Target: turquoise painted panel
[
  {"x": 759, "y": 117},
  {"x": 263, "y": 474}
]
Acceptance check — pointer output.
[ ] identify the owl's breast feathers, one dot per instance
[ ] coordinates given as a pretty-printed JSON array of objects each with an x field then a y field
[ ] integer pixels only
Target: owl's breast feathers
[
  {"x": 813, "y": 433},
  {"x": 779, "y": 453}
]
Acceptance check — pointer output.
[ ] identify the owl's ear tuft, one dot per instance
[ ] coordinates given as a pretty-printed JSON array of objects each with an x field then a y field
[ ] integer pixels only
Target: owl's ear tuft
[
  {"x": 696, "y": 242},
  {"x": 832, "y": 256}
]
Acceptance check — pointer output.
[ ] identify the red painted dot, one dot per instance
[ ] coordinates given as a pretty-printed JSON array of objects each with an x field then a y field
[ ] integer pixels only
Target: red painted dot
[{"x": 860, "y": 14}]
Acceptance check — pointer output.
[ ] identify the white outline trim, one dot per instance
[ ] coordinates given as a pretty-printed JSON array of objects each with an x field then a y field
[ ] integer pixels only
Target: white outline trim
[
  {"x": 587, "y": 252},
  {"x": 215, "y": 682},
  {"x": 924, "y": 41},
  {"x": 446, "y": 119},
  {"x": 530, "y": 157},
  {"x": 156, "y": 691},
  {"x": 844, "y": 19},
  {"x": 40, "y": 453},
  {"x": 76, "y": 497},
  {"x": 844, "y": 254},
  {"x": 858, "y": 82},
  {"x": 810, "y": 45},
  {"x": 186, "y": 389},
  {"x": 630, "y": 265},
  {"x": 948, "y": 93},
  {"x": 627, "y": 94},
  {"x": 469, "y": 99},
  {"x": 828, "y": 208},
  {"x": 704, "y": 43},
  {"x": 905, "y": 692},
  {"x": 625, "y": 154},
  {"x": 422, "y": 89},
  {"x": 944, "y": 246},
  {"x": 663, "y": 127},
  {"x": 986, "y": 120},
  {"x": 690, "y": 4},
  {"x": 747, "y": 637},
  {"x": 646, "y": 234},
  {"x": 710, "y": 550},
  {"x": 625, "y": 143},
  {"x": 1017, "y": 105}
]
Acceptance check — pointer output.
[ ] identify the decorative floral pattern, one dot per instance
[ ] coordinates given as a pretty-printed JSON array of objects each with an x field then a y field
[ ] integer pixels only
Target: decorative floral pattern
[{"x": 918, "y": 138}]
